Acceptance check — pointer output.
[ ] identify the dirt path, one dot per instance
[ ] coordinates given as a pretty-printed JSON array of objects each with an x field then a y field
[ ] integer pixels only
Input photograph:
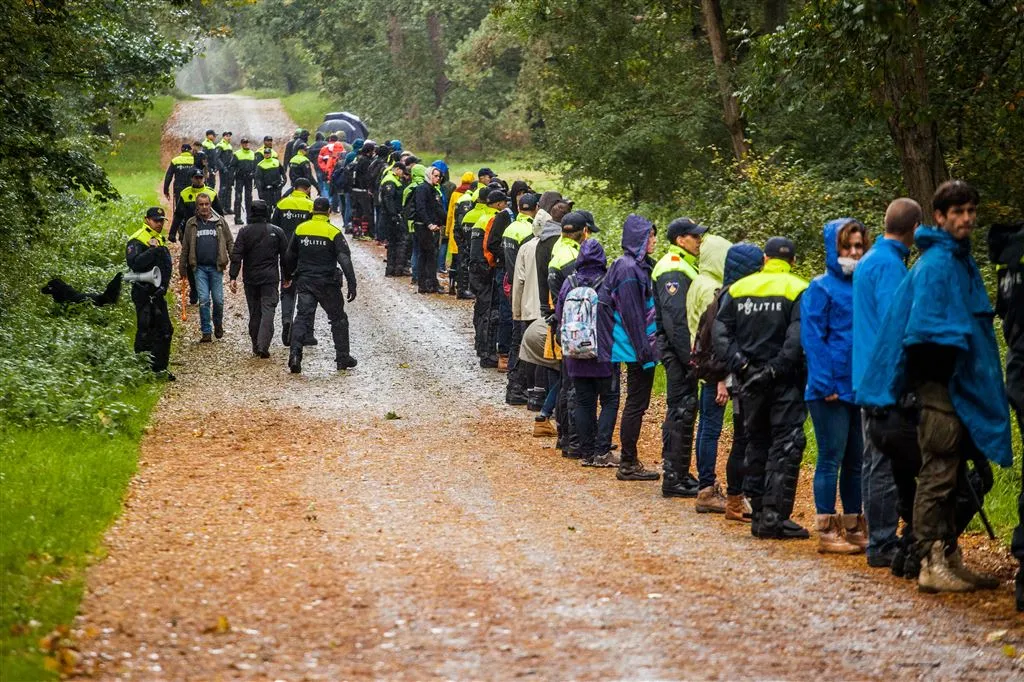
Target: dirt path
[{"x": 281, "y": 528}]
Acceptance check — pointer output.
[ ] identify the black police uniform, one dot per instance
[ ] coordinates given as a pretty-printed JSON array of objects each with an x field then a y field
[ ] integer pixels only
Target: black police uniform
[
  {"x": 154, "y": 328},
  {"x": 314, "y": 255},
  {"x": 244, "y": 168}
]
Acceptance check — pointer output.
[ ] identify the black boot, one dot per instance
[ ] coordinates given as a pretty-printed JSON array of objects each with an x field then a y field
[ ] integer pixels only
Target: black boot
[
  {"x": 535, "y": 399},
  {"x": 676, "y": 448},
  {"x": 286, "y": 333},
  {"x": 514, "y": 397},
  {"x": 1019, "y": 589}
]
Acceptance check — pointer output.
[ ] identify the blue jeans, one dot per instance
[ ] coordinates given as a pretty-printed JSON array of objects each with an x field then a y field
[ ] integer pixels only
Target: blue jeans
[
  {"x": 709, "y": 429},
  {"x": 415, "y": 260},
  {"x": 442, "y": 255},
  {"x": 837, "y": 429},
  {"x": 210, "y": 281},
  {"x": 346, "y": 200},
  {"x": 881, "y": 501}
]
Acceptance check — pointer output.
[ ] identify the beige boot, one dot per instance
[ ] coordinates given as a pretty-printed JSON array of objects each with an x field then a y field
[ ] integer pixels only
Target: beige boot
[
  {"x": 737, "y": 508},
  {"x": 981, "y": 581},
  {"x": 937, "y": 575},
  {"x": 710, "y": 500},
  {"x": 830, "y": 536},
  {"x": 543, "y": 427},
  {"x": 856, "y": 529}
]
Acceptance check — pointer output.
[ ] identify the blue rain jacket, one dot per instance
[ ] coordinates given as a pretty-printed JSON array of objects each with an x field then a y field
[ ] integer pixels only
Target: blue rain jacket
[{"x": 875, "y": 281}]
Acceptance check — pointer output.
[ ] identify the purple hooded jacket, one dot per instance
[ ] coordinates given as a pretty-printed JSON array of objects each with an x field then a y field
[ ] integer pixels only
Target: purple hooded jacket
[
  {"x": 626, "y": 329},
  {"x": 590, "y": 268}
]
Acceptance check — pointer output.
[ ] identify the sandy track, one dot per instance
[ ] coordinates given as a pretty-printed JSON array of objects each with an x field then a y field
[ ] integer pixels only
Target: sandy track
[{"x": 449, "y": 544}]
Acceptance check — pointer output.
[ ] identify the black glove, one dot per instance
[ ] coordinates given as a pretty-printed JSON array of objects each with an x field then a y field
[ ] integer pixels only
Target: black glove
[
  {"x": 739, "y": 365},
  {"x": 758, "y": 379},
  {"x": 351, "y": 296}
]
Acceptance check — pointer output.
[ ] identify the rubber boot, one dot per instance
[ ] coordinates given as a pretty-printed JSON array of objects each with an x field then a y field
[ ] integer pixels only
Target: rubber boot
[
  {"x": 936, "y": 574},
  {"x": 830, "y": 536}
]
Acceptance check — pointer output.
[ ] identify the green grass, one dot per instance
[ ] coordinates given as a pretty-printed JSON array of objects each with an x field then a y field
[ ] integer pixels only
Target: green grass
[
  {"x": 134, "y": 166},
  {"x": 61, "y": 489}
]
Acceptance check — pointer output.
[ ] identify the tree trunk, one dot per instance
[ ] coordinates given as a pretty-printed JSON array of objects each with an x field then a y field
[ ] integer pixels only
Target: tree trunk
[
  {"x": 774, "y": 15},
  {"x": 715, "y": 27},
  {"x": 911, "y": 126},
  {"x": 438, "y": 50},
  {"x": 395, "y": 42}
]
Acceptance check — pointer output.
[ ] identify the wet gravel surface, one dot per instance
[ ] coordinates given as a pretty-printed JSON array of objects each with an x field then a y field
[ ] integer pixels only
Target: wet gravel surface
[{"x": 281, "y": 527}]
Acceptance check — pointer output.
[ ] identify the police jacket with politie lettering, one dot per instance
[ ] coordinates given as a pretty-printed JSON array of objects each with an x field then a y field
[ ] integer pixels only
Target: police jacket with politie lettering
[
  {"x": 292, "y": 211},
  {"x": 672, "y": 276},
  {"x": 142, "y": 257},
  {"x": 759, "y": 322},
  {"x": 513, "y": 238},
  {"x": 179, "y": 171},
  {"x": 317, "y": 250}
]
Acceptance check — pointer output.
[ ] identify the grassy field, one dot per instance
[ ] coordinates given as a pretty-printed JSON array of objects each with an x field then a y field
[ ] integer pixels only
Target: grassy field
[{"x": 63, "y": 486}]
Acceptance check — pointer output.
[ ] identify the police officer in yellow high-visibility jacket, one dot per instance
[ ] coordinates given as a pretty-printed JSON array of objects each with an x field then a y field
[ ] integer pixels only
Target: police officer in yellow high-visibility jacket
[
  {"x": 290, "y": 212},
  {"x": 314, "y": 257},
  {"x": 225, "y": 169},
  {"x": 179, "y": 172},
  {"x": 145, "y": 250}
]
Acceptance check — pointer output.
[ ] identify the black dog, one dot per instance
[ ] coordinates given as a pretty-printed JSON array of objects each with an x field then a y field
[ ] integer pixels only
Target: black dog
[{"x": 64, "y": 293}]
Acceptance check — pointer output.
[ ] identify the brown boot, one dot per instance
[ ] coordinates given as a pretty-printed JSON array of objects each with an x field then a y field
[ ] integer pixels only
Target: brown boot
[
  {"x": 502, "y": 362},
  {"x": 738, "y": 509},
  {"x": 856, "y": 530},
  {"x": 830, "y": 536},
  {"x": 710, "y": 500},
  {"x": 543, "y": 427}
]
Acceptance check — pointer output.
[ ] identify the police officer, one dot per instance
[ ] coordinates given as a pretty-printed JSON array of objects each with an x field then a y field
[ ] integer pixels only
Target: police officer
[
  {"x": 268, "y": 146},
  {"x": 269, "y": 178},
  {"x": 390, "y": 197},
  {"x": 147, "y": 249},
  {"x": 226, "y": 170},
  {"x": 290, "y": 212},
  {"x": 428, "y": 219},
  {"x": 672, "y": 277},
  {"x": 314, "y": 255},
  {"x": 757, "y": 333},
  {"x": 481, "y": 280},
  {"x": 244, "y": 168},
  {"x": 300, "y": 166},
  {"x": 179, "y": 171}
]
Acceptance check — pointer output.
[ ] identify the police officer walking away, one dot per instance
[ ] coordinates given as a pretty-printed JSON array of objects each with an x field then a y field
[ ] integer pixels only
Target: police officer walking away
[
  {"x": 757, "y": 332},
  {"x": 292, "y": 211},
  {"x": 147, "y": 249},
  {"x": 259, "y": 248},
  {"x": 314, "y": 255},
  {"x": 179, "y": 171}
]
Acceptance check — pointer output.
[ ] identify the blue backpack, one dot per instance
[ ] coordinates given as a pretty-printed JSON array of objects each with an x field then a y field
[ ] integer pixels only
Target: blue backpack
[{"x": 579, "y": 321}]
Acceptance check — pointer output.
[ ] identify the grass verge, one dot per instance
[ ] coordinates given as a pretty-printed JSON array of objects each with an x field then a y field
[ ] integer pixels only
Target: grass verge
[{"x": 134, "y": 165}]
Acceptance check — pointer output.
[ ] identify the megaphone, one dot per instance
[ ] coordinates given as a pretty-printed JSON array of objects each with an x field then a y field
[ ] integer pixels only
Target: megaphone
[{"x": 152, "y": 277}]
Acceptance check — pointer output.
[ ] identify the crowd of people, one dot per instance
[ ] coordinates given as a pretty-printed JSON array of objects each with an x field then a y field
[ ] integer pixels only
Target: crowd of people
[{"x": 898, "y": 369}]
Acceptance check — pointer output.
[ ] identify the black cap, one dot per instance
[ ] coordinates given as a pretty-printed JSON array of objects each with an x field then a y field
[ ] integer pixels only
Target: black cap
[
  {"x": 156, "y": 213},
  {"x": 302, "y": 182},
  {"x": 496, "y": 195},
  {"x": 680, "y": 227},
  {"x": 321, "y": 205},
  {"x": 211, "y": 131},
  {"x": 186, "y": 147},
  {"x": 197, "y": 173},
  {"x": 301, "y": 145},
  {"x": 575, "y": 221},
  {"x": 485, "y": 171},
  {"x": 528, "y": 201},
  {"x": 268, "y": 138},
  {"x": 780, "y": 247},
  {"x": 227, "y": 132},
  {"x": 244, "y": 140}
]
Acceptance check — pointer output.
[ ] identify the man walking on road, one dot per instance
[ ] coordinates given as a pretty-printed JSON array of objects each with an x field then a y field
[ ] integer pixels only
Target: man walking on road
[
  {"x": 292, "y": 211},
  {"x": 204, "y": 252},
  {"x": 314, "y": 255},
  {"x": 260, "y": 248}
]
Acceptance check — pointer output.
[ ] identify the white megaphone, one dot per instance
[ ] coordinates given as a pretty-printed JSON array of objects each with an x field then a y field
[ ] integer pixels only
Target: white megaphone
[{"x": 152, "y": 277}]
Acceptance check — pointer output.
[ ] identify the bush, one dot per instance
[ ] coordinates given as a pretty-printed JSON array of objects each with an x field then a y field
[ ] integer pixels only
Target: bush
[{"x": 73, "y": 364}]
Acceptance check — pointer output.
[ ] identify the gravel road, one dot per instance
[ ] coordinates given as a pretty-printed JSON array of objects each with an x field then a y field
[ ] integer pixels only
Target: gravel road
[{"x": 280, "y": 527}]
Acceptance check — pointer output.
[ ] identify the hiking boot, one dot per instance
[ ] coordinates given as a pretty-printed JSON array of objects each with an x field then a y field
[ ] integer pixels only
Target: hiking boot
[
  {"x": 737, "y": 508},
  {"x": 262, "y": 354},
  {"x": 513, "y": 397},
  {"x": 635, "y": 471},
  {"x": 882, "y": 560},
  {"x": 535, "y": 399},
  {"x": 543, "y": 428},
  {"x": 294, "y": 366},
  {"x": 981, "y": 581},
  {"x": 206, "y": 338},
  {"x": 570, "y": 454},
  {"x": 218, "y": 331},
  {"x": 503, "y": 362},
  {"x": 710, "y": 500},
  {"x": 791, "y": 530},
  {"x": 830, "y": 536},
  {"x": 488, "y": 362},
  {"x": 936, "y": 574},
  {"x": 605, "y": 461},
  {"x": 674, "y": 487},
  {"x": 855, "y": 528},
  {"x": 286, "y": 334},
  {"x": 346, "y": 362},
  {"x": 787, "y": 530}
]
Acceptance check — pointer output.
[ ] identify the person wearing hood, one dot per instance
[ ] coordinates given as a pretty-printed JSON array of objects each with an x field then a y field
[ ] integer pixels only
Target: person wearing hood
[
  {"x": 627, "y": 333},
  {"x": 428, "y": 219},
  {"x": 592, "y": 380},
  {"x": 757, "y": 333},
  {"x": 937, "y": 341},
  {"x": 673, "y": 275},
  {"x": 1006, "y": 251},
  {"x": 740, "y": 260},
  {"x": 826, "y": 332},
  {"x": 456, "y": 286},
  {"x": 712, "y": 394}
]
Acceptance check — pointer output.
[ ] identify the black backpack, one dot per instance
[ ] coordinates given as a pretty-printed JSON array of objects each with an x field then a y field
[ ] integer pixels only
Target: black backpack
[{"x": 707, "y": 365}]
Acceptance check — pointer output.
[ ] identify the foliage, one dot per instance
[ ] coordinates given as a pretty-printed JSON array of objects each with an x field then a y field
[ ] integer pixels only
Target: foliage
[{"x": 133, "y": 165}]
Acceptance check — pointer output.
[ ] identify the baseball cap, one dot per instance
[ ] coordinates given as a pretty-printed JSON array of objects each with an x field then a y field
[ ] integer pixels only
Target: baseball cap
[
  {"x": 680, "y": 227},
  {"x": 321, "y": 205},
  {"x": 496, "y": 195},
  {"x": 197, "y": 173},
  {"x": 156, "y": 213},
  {"x": 227, "y": 133},
  {"x": 244, "y": 139},
  {"x": 575, "y": 221},
  {"x": 186, "y": 147},
  {"x": 301, "y": 145},
  {"x": 485, "y": 171},
  {"x": 528, "y": 201},
  {"x": 268, "y": 138},
  {"x": 780, "y": 247},
  {"x": 211, "y": 131}
]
